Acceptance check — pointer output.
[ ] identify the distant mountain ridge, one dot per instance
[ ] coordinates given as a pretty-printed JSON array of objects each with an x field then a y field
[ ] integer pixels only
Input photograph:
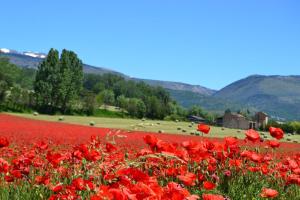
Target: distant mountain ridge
[{"x": 279, "y": 96}]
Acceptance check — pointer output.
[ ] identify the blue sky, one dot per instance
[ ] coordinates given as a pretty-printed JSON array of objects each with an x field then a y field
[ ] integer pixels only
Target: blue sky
[{"x": 210, "y": 43}]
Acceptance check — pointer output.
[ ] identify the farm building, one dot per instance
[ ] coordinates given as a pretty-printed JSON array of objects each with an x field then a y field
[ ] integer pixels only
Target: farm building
[
  {"x": 261, "y": 119},
  {"x": 232, "y": 120},
  {"x": 238, "y": 121}
]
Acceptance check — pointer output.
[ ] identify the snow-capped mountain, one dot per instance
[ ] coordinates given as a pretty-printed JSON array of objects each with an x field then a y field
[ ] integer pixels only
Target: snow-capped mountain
[{"x": 27, "y": 53}]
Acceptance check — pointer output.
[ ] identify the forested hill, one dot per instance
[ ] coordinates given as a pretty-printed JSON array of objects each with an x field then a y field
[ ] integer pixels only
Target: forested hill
[{"x": 32, "y": 60}]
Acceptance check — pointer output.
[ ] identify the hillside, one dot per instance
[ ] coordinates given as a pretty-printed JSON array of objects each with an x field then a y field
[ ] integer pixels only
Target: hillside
[
  {"x": 277, "y": 95},
  {"x": 32, "y": 60},
  {"x": 210, "y": 103},
  {"x": 177, "y": 86}
]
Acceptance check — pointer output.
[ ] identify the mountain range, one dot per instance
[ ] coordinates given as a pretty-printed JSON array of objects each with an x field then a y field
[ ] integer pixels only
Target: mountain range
[{"x": 279, "y": 96}]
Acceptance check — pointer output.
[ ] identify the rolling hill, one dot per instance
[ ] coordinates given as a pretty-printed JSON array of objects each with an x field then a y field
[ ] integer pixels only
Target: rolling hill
[{"x": 279, "y": 96}]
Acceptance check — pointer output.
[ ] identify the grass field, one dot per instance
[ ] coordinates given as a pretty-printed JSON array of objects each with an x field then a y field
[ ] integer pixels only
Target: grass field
[{"x": 149, "y": 126}]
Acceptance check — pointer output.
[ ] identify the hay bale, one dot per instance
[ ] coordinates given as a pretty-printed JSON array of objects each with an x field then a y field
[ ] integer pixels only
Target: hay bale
[
  {"x": 295, "y": 141},
  {"x": 183, "y": 130},
  {"x": 178, "y": 128},
  {"x": 61, "y": 118},
  {"x": 192, "y": 133},
  {"x": 161, "y": 131},
  {"x": 35, "y": 113},
  {"x": 92, "y": 123}
]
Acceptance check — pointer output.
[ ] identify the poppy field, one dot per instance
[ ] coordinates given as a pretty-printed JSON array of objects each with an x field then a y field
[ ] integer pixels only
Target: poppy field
[{"x": 51, "y": 160}]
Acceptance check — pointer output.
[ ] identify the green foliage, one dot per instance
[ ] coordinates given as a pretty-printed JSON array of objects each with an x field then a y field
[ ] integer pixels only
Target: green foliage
[
  {"x": 58, "y": 81},
  {"x": 70, "y": 85},
  {"x": 137, "y": 98},
  {"x": 88, "y": 102},
  {"x": 47, "y": 82},
  {"x": 14, "y": 85},
  {"x": 107, "y": 97},
  {"x": 9, "y": 73}
]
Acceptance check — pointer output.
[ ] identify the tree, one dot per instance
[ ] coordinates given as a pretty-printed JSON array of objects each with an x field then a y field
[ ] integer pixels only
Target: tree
[
  {"x": 122, "y": 102},
  {"x": 196, "y": 110},
  {"x": 9, "y": 74},
  {"x": 108, "y": 97},
  {"x": 136, "y": 107},
  {"x": 46, "y": 85},
  {"x": 141, "y": 108},
  {"x": 58, "y": 81},
  {"x": 227, "y": 111},
  {"x": 88, "y": 101},
  {"x": 71, "y": 79}
]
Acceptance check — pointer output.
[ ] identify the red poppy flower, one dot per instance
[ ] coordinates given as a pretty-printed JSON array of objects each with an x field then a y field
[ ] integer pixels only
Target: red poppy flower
[
  {"x": 274, "y": 143},
  {"x": 252, "y": 135},
  {"x": 188, "y": 179},
  {"x": 268, "y": 193},
  {"x": 212, "y": 197},
  {"x": 79, "y": 184},
  {"x": 110, "y": 147},
  {"x": 9, "y": 179},
  {"x": 3, "y": 142},
  {"x": 276, "y": 132},
  {"x": 208, "y": 185},
  {"x": 57, "y": 188},
  {"x": 150, "y": 140},
  {"x": 203, "y": 128}
]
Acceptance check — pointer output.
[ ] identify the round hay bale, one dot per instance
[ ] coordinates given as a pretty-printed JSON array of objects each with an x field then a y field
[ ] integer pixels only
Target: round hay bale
[
  {"x": 61, "y": 118},
  {"x": 35, "y": 113},
  {"x": 161, "y": 131},
  {"x": 92, "y": 123},
  {"x": 183, "y": 130},
  {"x": 178, "y": 128}
]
